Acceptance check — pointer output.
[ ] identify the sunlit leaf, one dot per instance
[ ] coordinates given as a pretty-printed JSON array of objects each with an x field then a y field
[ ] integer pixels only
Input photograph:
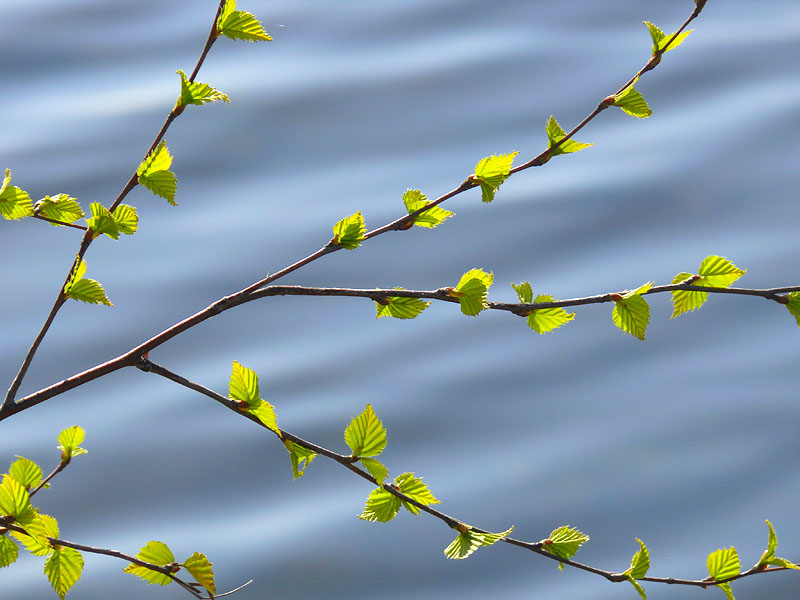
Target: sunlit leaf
[
  {"x": 70, "y": 440},
  {"x": 467, "y": 542},
  {"x": 59, "y": 207},
  {"x": 723, "y": 564},
  {"x": 15, "y": 501},
  {"x": 541, "y": 320},
  {"x": 491, "y": 172},
  {"x": 715, "y": 271},
  {"x": 154, "y": 173},
  {"x": 564, "y": 542},
  {"x": 14, "y": 202},
  {"x": 381, "y": 506},
  {"x": 40, "y": 529},
  {"x": 414, "y": 200},
  {"x": 365, "y": 434},
  {"x": 632, "y": 103},
  {"x": 660, "y": 39},
  {"x": 156, "y": 553},
  {"x": 126, "y": 219},
  {"x": 240, "y": 25},
  {"x": 768, "y": 557},
  {"x": 265, "y": 413},
  {"x": 471, "y": 291},
  {"x": 640, "y": 563},
  {"x": 27, "y": 472},
  {"x": 202, "y": 570},
  {"x": 300, "y": 457},
  {"x": 632, "y": 313},
  {"x": 243, "y": 386},
  {"x": 414, "y": 488},
  {"x": 793, "y": 305},
  {"x": 375, "y": 468},
  {"x": 400, "y": 307},
  {"x": 101, "y": 222},
  {"x": 349, "y": 232},
  {"x": 555, "y": 134},
  {"x": 9, "y": 551},
  {"x": 85, "y": 290},
  {"x": 196, "y": 92},
  {"x": 63, "y": 569}
]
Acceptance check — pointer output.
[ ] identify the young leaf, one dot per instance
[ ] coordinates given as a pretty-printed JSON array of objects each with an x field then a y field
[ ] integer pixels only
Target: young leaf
[
  {"x": 298, "y": 455},
  {"x": 15, "y": 501},
  {"x": 196, "y": 92},
  {"x": 632, "y": 313},
  {"x": 243, "y": 386},
  {"x": 157, "y": 553},
  {"x": 541, "y": 320},
  {"x": 414, "y": 200},
  {"x": 400, "y": 307},
  {"x": 126, "y": 219},
  {"x": 102, "y": 222},
  {"x": 555, "y": 134},
  {"x": 60, "y": 207},
  {"x": 349, "y": 232},
  {"x": 715, "y": 271},
  {"x": 381, "y": 506},
  {"x": 466, "y": 543},
  {"x": 632, "y": 103},
  {"x": 154, "y": 173},
  {"x": 471, "y": 291},
  {"x": 41, "y": 528},
  {"x": 14, "y": 202},
  {"x": 265, "y": 413},
  {"x": 793, "y": 306},
  {"x": 240, "y": 25},
  {"x": 9, "y": 551},
  {"x": 63, "y": 569},
  {"x": 491, "y": 172},
  {"x": 27, "y": 472},
  {"x": 660, "y": 39},
  {"x": 375, "y": 468},
  {"x": 85, "y": 290},
  {"x": 564, "y": 542},
  {"x": 640, "y": 563},
  {"x": 70, "y": 440},
  {"x": 416, "y": 490},
  {"x": 202, "y": 570},
  {"x": 723, "y": 564},
  {"x": 768, "y": 557},
  {"x": 365, "y": 434}
]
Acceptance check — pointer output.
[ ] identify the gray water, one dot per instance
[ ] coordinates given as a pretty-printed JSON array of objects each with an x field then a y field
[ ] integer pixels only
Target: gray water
[{"x": 688, "y": 440}]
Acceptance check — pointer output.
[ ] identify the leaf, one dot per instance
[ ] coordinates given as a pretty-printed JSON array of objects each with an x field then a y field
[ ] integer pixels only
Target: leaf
[
  {"x": 640, "y": 563},
  {"x": 491, "y": 172},
  {"x": 60, "y": 207},
  {"x": 365, "y": 434},
  {"x": 154, "y": 173},
  {"x": 70, "y": 440},
  {"x": 85, "y": 290},
  {"x": 101, "y": 222},
  {"x": 157, "y": 553},
  {"x": 126, "y": 219},
  {"x": 9, "y": 551},
  {"x": 27, "y": 472},
  {"x": 265, "y": 413},
  {"x": 298, "y": 454},
  {"x": 400, "y": 307},
  {"x": 196, "y": 92},
  {"x": 349, "y": 232},
  {"x": 416, "y": 490},
  {"x": 14, "y": 202},
  {"x": 723, "y": 564},
  {"x": 375, "y": 468},
  {"x": 243, "y": 386},
  {"x": 541, "y": 320},
  {"x": 555, "y": 134},
  {"x": 715, "y": 271},
  {"x": 632, "y": 313},
  {"x": 793, "y": 305},
  {"x": 471, "y": 291},
  {"x": 63, "y": 569},
  {"x": 660, "y": 38},
  {"x": 41, "y": 528},
  {"x": 414, "y": 200},
  {"x": 768, "y": 557},
  {"x": 240, "y": 25},
  {"x": 15, "y": 501},
  {"x": 637, "y": 586},
  {"x": 202, "y": 570},
  {"x": 564, "y": 542},
  {"x": 381, "y": 506},
  {"x": 466, "y": 543},
  {"x": 632, "y": 102}
]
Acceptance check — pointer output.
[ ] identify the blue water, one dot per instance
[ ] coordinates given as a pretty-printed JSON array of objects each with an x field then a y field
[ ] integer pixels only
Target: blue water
[{"x": 687, "y": 441}]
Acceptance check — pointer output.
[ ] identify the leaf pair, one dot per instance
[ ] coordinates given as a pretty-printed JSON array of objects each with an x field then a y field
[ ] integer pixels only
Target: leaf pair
[
  {"x": 471, "y": 291},
  {"x": 541, "y": 320},
  {"x": 85, "y": 290},
  {"x": 158, "y": 553},
  {"x": 154, "y": 174},
  {"x": 243, "y": 388},
  {"x": 123, "y": 220},
  {"x": 14, "y": 202},
  {"x": 383, "y": 506},
  {"x": 469, "y": 540},
  {"x": 240, "y": 24}
]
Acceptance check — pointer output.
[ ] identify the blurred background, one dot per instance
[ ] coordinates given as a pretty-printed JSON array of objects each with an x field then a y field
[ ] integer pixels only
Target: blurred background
[{"x": 688, "y": 440}]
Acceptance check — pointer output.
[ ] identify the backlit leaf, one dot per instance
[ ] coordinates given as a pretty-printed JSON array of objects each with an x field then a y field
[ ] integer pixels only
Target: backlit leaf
[
  {"x": 154, "y": 173},
  {"x": 400, "y": 307},
  {"x": 202, "y": 570},
  {"x": 715, "y": 271},
  {"x": 375, "y": 468},
  {"x": 14, "y": 202},
  {"x": 491, "y": 172},
  {"x": 85, "y": 290},
  {"x": 196, "y": 92},
  {"x": 101, "y": 222},
  {"x": 381, "y": 506},
  {"x": 794, "y": 306},
  {"x": 365, "y": 434},
  {"x": 265, "y": 413},
  {"x": 769, "y": 558},
  {"x": 9, "y": 551},
  {"x": 632, "y": 313},
  {"x": 27, "y": 472},
  {"x": 240, "y": 25},
  {"x": 723, "y": 563},
  {"x": 632, "y": 103},
  {"x": 541, "y": 320},
  {"x": 564, "y": 542},
  {"x": 126, "y": 219},
  {"x": 41, "y": 528},
  {"x": 555, "y": 134},
  {"x": 15, "y": 501},
  {"x": 59, "y": 207},
  {"x": 414, "y": 200},
  {"x": 466, "y": 543},
  {"x": 416, "y": 490},
  {"x": 349, "y": 232},
  {"x": 63, "y": 569},
  {"x": 660, "y": 39},
  {"x": 471, "y": 291},
  {"x": 300, "y": 457},
  {"x": 70, "y": 440},
  {"x": 640, "y": 563},
  {"x": 157, "y": 553},
  {"x": 243, "y": 386}
]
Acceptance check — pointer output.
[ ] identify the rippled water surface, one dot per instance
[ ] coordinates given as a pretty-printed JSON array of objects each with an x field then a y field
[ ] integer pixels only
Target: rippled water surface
[{"x": 687, "y": 441}]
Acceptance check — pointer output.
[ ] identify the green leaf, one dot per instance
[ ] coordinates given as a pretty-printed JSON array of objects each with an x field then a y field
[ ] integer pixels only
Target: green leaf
[
  {"x": 14, "y": 202},
  {"x": 349, "y": 232},
  {"x": 70, "y": 440},
  {"x": 63, "y": 569},
  {"x": 41, "y": 528},
  {"x": 632, "y": 102},
  {"x": 85, "y": 290},
  {"x": 768, "y": 557},
  {"x": 471, "y": 291},
  {"x": 265, "y": 413},
  {"x": 723, "y": 564},
  {"x": 400, "y": 307},
  {"x": 541, "y": 320},
  {"x": 564, "y": 542},
  {"x": 27, "y": 472},
  {"x": 640, "y": 563},
  {"x": 157, "y": 553},
  {"x": 101, "y": 222},
  {"x": 196, "y": 92},
  {"x": 555, "y": 134},
  {"x": 9, "y": 551},
  {"x": 715, "y": 271},
  {"x": 300, "y": 456},
  {"x": 491, "y": 172},
  {"x": 126, "y": 219},
  {"x": 632, "y": 313},
  {"x": 375, "y": 468},
  {"x": 243, "y": 386},
  {"x": 660, "y": 39},
  {"x": 416, "y": 490},
  {"x": 365, "y": 434},
  {"x": 466, "y": 543},
  {"x": 381, "y": 506},
  {"x": 240, "y": 25},
  {"x": 154, "y": 173},
  {"x": 793, "y": 306},
  {"x": 637, "y": 586},
  {"x": 60, "y": 207},
  {"x": 414, "y": 200},
  {"x": 202, "y": 570},
  {"x": 15, "y": 501}
]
